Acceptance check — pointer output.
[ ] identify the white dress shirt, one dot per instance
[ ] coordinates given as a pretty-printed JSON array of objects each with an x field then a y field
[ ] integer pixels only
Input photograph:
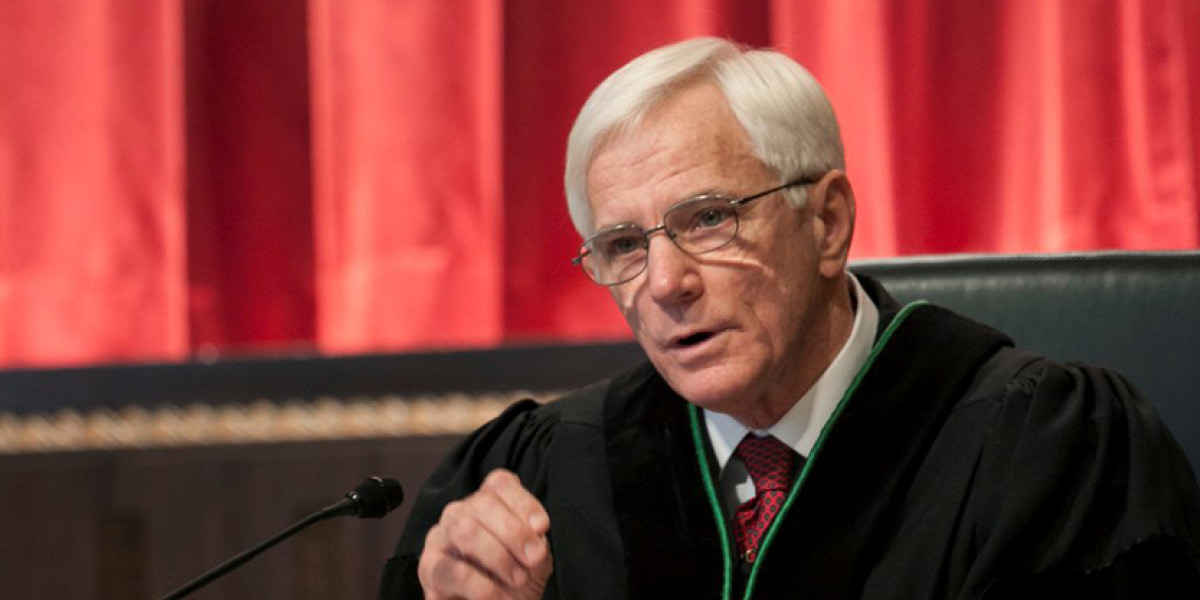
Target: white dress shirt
[{"x": 801, "y": 425}]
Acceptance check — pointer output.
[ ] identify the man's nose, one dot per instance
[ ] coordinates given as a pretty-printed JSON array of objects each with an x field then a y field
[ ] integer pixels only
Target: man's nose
[{"x": 671, "y": 273}]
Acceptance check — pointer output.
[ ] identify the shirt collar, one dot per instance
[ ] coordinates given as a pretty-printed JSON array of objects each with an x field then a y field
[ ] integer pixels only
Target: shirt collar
[{"x": 802, "y": 424}]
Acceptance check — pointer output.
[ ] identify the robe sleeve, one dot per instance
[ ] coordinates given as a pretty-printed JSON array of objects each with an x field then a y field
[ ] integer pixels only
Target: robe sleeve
[
  {"x": 1090, "y": 495},
  {"x": 515, "y": 440}
]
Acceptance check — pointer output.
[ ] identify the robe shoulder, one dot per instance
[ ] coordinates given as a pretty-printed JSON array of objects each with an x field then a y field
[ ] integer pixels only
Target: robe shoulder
[
  {"x": 1079, "y": 488},
  {"x": 520, "y": 440}
]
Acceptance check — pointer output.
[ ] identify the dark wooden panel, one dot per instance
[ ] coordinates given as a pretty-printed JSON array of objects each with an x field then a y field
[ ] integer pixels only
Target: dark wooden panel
[
  {"x": 137, "y": 523},
  {"x": 122, "y": 556}
]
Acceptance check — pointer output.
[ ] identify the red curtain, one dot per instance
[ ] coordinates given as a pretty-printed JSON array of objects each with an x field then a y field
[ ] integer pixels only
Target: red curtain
[
  {"x": 213, "y": 178},
  {"x": 409, "y": 209},
  {"x": 92, "y": 217},
  {"x": 1012, "y": 126}
]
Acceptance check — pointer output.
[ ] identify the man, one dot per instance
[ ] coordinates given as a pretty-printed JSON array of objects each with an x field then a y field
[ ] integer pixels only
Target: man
[{"x": 795, "y": 432}]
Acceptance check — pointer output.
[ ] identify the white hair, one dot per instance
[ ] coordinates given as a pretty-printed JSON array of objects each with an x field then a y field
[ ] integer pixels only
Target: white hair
[{"x": 782, "y": 108}]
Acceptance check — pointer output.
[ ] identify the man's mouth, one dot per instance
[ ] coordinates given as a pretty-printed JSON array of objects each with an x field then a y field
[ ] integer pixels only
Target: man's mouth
[{"x": 694, "y": 339}]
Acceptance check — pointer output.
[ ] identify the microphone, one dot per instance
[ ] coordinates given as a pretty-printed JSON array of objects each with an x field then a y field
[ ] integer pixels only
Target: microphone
[{"x": 373, "y": 498}]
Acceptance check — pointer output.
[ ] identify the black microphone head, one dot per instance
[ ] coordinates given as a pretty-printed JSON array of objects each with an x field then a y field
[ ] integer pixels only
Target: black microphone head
[{"x": 375, "y": 497}]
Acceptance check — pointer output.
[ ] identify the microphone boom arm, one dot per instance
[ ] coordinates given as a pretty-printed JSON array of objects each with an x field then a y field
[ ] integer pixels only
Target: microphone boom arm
[{"x": 373, "y": 498}]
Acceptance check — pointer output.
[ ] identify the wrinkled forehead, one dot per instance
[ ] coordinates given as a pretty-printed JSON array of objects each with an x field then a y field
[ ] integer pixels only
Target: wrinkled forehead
[{"x": 690, "y": 144}]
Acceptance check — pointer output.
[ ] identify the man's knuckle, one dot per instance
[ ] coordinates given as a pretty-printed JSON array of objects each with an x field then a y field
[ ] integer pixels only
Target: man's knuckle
[
  {"x": 435, "y": 571},
  {"x": 451, "y": 512},
  {"x": 425, "y": 570},
  {"x": 502, "y": 482},
  {"x": 448, "y": 572},
  {"x": 463, "y": 531}
]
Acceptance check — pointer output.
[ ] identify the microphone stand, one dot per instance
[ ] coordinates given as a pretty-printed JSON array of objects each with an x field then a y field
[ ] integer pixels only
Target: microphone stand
[
  {"x": 364, "y": 501},
  {"x": 245, "y": 556}
]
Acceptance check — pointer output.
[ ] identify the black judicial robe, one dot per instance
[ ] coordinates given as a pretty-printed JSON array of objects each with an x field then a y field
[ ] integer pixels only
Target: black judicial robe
[{"x": 956, "y": 467}]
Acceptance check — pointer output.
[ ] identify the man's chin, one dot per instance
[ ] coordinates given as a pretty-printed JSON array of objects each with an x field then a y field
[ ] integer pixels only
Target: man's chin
[
  {"x": 719, "y": 394},
  {"x": 709, "y": 383}
]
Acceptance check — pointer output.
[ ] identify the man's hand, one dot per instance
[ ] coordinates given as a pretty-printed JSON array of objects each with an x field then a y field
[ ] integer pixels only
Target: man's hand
[{"x": 491, "y": 544}]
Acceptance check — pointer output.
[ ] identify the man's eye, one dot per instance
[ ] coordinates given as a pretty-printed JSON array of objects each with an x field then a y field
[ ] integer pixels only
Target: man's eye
[
  {"x": 620, "y": 246},
  {"x": 710, "y": 217}
]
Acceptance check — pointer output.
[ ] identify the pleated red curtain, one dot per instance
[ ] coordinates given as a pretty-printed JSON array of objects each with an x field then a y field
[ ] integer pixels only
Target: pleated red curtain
[
  {"x": 249, "y": 176},
  {"x": 1012, "y": 126},
  {"x": 377, "y": 175},
  {"x": 93, "y": 262},
  {"x": 407, "y": 125}
]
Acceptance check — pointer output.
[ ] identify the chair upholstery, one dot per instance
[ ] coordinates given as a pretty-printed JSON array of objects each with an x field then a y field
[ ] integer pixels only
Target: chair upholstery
[{"x": 1137, "y": 312}]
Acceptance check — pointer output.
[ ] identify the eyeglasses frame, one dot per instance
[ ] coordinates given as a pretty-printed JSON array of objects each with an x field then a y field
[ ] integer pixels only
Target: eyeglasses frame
[{"x": 735, "y": 203}]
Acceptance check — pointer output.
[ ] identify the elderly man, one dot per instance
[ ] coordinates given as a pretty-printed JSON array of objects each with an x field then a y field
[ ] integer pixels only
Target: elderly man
[{"x": 795, "y": 432}]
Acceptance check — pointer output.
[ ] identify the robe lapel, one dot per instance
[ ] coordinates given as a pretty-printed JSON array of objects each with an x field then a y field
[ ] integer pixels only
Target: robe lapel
[
  {"x": 671, "y": 542},
  {"x": 844, "y": 512}
]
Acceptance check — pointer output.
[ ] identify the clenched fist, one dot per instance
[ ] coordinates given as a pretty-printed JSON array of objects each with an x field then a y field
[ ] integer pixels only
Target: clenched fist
[{"x": 491, "y": 544}]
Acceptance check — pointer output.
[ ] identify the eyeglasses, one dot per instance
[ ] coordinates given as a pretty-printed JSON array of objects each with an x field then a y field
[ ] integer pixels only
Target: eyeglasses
[{"x": 697, "y": 225}]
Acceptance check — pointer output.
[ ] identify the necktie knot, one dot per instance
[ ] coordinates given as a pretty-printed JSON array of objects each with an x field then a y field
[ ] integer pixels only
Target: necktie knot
[{"x": 768, "y": 461}]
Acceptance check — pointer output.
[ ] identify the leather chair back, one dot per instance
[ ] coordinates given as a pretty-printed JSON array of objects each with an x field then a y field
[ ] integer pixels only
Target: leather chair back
[{"x": 1137, "y": 312}]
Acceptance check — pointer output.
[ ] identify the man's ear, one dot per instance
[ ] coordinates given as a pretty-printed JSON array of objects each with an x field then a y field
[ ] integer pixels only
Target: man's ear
[{"x": 833, "y": 208}]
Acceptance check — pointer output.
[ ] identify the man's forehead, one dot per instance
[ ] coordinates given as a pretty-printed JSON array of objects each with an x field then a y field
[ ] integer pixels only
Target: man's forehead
[{"x": 695, "y": 125}]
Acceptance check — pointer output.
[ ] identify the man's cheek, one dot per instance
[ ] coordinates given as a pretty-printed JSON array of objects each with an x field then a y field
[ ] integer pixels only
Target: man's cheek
[{"x": 625, "y": 304}]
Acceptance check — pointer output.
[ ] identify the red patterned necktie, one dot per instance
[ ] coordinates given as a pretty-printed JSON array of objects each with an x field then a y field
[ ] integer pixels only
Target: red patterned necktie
[{"x": 769, "y": 462}]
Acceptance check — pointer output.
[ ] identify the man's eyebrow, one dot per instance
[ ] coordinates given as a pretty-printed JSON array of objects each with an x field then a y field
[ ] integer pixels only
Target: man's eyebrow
[
  {"x": 600, "y": 228},
  {"x": 709, "y": 191}
]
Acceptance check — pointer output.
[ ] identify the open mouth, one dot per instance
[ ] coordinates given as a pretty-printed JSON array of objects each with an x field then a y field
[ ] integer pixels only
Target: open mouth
[{"x": 695, "y": 338}]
